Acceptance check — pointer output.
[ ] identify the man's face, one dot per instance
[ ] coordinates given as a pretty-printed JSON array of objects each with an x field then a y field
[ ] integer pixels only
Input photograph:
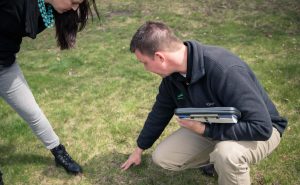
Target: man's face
[{"x": 155, "y": 65}]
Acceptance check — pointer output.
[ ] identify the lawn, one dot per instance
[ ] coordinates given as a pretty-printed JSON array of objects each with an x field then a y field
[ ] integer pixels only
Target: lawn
[{"x": 97, "y": 96}]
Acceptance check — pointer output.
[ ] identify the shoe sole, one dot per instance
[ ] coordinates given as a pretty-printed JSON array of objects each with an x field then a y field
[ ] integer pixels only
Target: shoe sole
[{"x": 57, "y": 164}]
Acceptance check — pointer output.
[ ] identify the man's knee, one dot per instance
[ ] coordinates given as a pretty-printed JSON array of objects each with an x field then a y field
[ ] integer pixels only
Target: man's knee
[
  {"x": 156, "y": 158},
  {"x": 159, "y": 158},
  {"x": 163, "y": 159}
]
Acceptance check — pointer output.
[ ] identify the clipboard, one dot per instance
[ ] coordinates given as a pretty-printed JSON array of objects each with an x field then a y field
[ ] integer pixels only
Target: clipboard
[{"x": 210, "y": 115}]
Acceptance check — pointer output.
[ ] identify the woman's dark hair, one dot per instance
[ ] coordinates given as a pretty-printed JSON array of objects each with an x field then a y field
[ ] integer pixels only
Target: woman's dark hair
[{"x": 69, "y": 23}]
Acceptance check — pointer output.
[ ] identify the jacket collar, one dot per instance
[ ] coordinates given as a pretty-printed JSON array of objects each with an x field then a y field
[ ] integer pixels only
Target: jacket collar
[{"x": 195, "y": 60}]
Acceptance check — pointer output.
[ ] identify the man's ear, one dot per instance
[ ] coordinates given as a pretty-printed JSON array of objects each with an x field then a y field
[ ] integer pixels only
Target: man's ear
[{"x": 159, "y": 56}]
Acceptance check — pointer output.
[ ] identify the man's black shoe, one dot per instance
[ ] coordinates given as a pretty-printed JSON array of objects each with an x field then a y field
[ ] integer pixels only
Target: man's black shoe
[
  {"x": 63, "y": 158},
  {"x": 1, "y": 181},
  {"x": 208, "y": 170}
]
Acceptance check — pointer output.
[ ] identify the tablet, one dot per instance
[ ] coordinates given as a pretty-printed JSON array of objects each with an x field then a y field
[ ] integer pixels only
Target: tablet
[{"x": 210, "y": 115}]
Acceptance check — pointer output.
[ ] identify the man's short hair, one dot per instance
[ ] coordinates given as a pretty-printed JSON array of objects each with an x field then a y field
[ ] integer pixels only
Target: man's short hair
[{"x": 152, "y": 37}]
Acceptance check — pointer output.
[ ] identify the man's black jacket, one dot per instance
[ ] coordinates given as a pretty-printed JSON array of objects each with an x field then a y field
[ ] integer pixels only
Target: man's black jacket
[{"x": 215, "y": 78}]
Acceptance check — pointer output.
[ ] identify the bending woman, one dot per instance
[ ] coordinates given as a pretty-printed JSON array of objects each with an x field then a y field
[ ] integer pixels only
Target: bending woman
[{"x": 28, "y": 18}]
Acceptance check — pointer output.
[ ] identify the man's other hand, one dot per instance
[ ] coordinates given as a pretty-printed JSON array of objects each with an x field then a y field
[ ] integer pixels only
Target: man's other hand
[{"x": 134, "y": 159}]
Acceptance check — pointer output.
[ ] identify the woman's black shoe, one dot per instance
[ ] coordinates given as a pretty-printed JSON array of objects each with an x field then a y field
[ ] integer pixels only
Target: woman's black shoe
[
  {"x": 63, "y": 158},
  {"x": 1, "y": 181}
]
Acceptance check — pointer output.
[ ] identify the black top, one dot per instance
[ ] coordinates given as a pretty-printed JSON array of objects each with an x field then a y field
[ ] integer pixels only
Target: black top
[
  {"x": 18, "y": 18},
  {"x": 216, "y": 78}
]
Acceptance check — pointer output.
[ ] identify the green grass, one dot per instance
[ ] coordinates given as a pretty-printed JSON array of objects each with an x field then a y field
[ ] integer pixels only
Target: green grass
[{"x": 97, "y": 95}]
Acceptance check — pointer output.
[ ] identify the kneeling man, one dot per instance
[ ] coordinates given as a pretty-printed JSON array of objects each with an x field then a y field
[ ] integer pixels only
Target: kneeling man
[{"x": 197, "y": 75}]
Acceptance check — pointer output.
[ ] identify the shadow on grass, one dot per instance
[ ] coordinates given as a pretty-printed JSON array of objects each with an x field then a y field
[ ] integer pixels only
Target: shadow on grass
[
  {"x": 105, "y": 169},
  {"x": 8, "y": 157}
]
